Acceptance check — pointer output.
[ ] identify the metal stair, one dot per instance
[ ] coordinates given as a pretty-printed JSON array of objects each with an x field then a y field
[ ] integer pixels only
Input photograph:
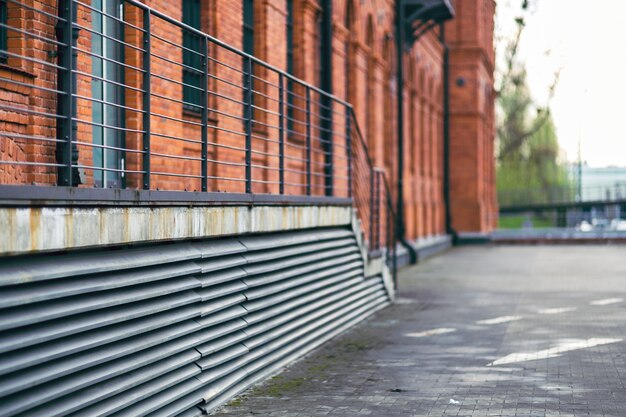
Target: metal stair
[{"x": 175, "y": 329}]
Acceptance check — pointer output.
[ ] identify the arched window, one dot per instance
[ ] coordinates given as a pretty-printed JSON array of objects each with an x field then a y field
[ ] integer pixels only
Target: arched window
[
  {"x": 350, "y": 25},
  {"x": 370, "y": 87}
]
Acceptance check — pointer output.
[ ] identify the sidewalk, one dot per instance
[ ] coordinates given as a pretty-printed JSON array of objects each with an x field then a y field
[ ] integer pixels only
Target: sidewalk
[{"x": 479, "y": 331}]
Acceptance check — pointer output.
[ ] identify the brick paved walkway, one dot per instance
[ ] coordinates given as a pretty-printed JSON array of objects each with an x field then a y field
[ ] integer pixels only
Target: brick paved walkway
[{"x": 479, "y": 331}]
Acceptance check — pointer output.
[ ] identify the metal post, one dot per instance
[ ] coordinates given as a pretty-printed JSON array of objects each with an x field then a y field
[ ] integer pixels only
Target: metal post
[
  {"x": 308, "y": 140},
  {"x": 349, "y": 149},
  {"x": 281, "y": 133},
  {"x": 147, "y": 41},
  {"x": 400, "y": 42},
  {"x": 372, "y": 205},
  {"x": 378, "y": 208},
  {"x": 205, "y": 112},
  {"x": 326, "y": 102},
  {"x": 247, "y": 83},
  {"x": 446, "y": 131}
]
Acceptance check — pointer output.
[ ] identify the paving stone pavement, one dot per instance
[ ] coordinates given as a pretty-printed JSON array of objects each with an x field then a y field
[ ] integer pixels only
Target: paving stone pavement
[{"x": 437, "y": 351}]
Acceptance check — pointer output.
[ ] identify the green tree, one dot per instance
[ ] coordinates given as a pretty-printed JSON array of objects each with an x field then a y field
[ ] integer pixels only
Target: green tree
[{"x": 530, "y": 167}]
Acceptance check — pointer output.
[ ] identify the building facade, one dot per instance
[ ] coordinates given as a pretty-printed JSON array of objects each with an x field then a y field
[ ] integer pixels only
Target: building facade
[{"x": 193, "y": 193}]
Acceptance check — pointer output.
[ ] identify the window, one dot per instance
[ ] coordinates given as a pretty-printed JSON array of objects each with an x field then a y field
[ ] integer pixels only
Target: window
[
  {"x": 248, "y": 26},
  {"x": 290, "y": 66},
  {"x": 108, "y": 112},
  {"x": 3, "y": 31},
  {"x": 192, "y": 58},
  {"x": 248, "y": 40}
]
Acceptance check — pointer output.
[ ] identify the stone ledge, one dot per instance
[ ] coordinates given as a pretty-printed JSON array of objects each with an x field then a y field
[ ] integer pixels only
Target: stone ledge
[{"x": 39, "y": 229}]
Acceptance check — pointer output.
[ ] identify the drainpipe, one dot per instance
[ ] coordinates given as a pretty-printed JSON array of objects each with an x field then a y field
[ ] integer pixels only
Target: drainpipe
[
  {"x": 327, "y": 86},
  {"x": 446, "y": 133},
  {"x": 400, "y": 42}
]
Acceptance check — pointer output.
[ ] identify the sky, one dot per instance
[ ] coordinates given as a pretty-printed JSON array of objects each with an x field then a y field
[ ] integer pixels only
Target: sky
[{"x": 587, "y": 41}]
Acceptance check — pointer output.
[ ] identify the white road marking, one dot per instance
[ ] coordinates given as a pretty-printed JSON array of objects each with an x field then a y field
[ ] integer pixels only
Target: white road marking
[
  {"x": 554, "y": 351},
  {"x": 606, "y": 301},
  {"x": 433, "y": 332},
  {"x": 498, "y": 320},
  {"x": 556, "y": 310}
]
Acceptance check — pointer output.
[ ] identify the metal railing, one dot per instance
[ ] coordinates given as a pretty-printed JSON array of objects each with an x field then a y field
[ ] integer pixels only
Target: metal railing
[
  {"x": 372, "y": 198},
  {"x": 146, "y": 102},
  {"x": 562, "y": 195},
  {"x": 111, "y": 100}
]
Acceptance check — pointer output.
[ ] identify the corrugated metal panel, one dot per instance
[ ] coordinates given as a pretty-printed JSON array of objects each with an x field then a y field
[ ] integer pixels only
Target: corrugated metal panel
[{"x": 172, "y": 330}]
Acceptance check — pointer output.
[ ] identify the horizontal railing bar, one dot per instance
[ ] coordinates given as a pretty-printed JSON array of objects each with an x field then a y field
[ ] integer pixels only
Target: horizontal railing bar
[
  {"x": 29, "y": 137},
  {"x": 37, "y": 10},
  {"x": 229, "y": 163},
  {"x": 184, "y": 103},
  {"x": 216, "y": 78},
  {"x": 93, "y": 168},
  {"x": 130, "y": 45},
  {"x": 267, "y": 125},
  {"x": 102, "y": 13},
  {"x": 32, "y": 35},
  {"x": 266, "y": 82},
  {"x": 95, "y": 77},
  {"x": 35, "y": 60},
  {"x": 123, "y": 129},
  {"x": 111, "y": 60},
  {"x": 38, "y": 113},
  {"x": 107, "y": 103},
  {"x": 37, "y": 87},
  {"x": 237, "y": 70},
  {"x": 175, "y": 119},
  {"x": 163, "y": 135},
  {"x": 177, "y": 45},
  {"x": 216, "y": 94},
  {"x": 182, "y": 84},
  {"x": 44, "y": 164},
  {"x": 178, "y": 64},
  {"x": 113, "y": 148},
  {"x": 266, "y": 111},
  {"x": 165, "y": 155}
]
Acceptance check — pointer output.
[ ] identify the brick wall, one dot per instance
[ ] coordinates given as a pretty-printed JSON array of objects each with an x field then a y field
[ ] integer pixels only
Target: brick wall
[
  {"x": 364, "y": 58},
  {"x": 472, "y": 97}
]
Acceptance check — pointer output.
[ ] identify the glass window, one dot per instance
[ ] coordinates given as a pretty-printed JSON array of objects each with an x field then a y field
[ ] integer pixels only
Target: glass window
[
  {"x": 3, "y": 31},
  {"x": 192, "y": 58},
  {"x": 107, "y": 113},
  {"x": 248, "y": 38},
  {"x": 290, "y": 66}
]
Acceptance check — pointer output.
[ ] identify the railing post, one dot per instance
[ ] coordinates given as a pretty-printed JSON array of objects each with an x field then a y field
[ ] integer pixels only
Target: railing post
[
  {"x": 66, "y": 151},
  {"x": 349, "y": 150},
  {"x": 308, "y": 140},
  {"x": 378, "y": 209},
  {"x": 247, "y": 83},
  {"x": 205, "y": 111},
  {"x": 281, "y": 134},
  {"x": 327, "y": 135},
  {"x": 372, "y": 206},
  {"x": 146, "y": 97}
]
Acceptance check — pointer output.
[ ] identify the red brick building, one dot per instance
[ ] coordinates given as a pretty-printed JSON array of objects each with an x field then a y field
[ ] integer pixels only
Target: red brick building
[{"x": 287, "y": 35}]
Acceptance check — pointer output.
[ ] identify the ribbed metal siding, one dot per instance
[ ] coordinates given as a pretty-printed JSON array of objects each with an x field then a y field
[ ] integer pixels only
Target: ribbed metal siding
[{"x": 175, "y": 329}]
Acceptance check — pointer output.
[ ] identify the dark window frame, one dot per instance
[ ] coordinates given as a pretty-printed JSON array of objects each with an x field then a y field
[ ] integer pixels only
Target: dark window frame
[
  {"x": 192, "y": 78},
  {"x": 4, "y": 40},
  {"x": 290, "y": 66}
]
